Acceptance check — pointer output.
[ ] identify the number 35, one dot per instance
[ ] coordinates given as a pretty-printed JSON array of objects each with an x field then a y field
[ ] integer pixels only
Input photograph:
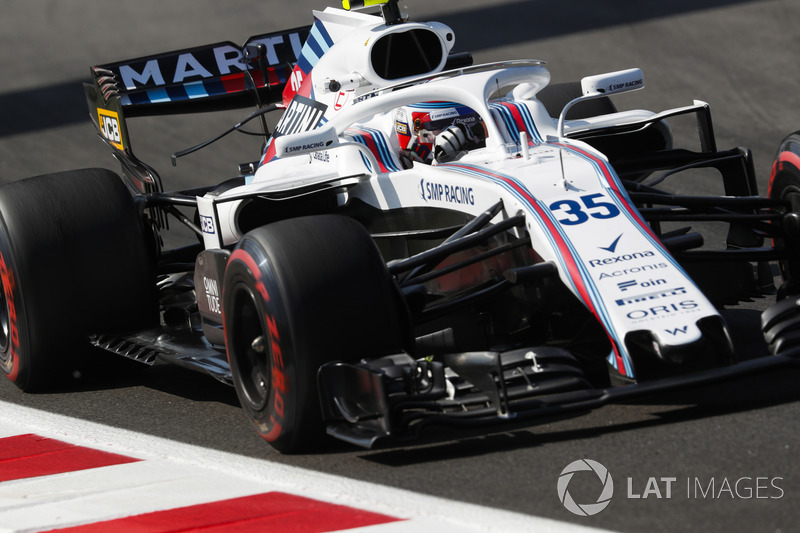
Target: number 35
[{"x": 578, "y": 214}]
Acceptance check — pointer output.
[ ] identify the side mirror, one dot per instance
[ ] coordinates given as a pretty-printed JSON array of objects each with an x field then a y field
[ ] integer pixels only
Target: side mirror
[
  {"x": 306, "y": 142},
  {"x": 601, "y": 85},
  {"x": 254, "y": 53},
  {"x": 613, "y": 82}
]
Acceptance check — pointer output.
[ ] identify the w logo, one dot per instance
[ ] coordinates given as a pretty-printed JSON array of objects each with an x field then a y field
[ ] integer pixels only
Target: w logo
[{"x": 677, "y": 331}]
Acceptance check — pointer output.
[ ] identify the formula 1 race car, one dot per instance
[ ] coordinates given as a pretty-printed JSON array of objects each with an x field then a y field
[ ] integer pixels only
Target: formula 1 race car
[{"x": 422, "y": 240}]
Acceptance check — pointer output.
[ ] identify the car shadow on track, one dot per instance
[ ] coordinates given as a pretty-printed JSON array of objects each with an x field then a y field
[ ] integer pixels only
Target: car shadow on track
[
  {"x": 42, "y": 108},
  {"x": 440, "y": 443},
  {"x": 97, "y": 371}
]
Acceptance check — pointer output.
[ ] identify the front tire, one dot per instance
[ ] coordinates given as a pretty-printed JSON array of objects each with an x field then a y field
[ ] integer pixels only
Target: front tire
[
  {"x": 297, "y": 294},
  {"x": 784, "y": 184}
]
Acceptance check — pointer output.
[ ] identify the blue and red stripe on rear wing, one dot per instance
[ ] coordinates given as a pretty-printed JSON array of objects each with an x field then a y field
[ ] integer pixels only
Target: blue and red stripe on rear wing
[{"x": 209, "y": 75}]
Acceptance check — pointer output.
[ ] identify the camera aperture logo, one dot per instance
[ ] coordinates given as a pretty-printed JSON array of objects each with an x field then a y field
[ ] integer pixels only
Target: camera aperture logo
[{"x": 605, "y": 481}]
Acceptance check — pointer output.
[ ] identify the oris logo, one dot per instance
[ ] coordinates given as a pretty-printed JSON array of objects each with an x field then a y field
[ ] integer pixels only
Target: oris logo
[{"x": 670, "y": 309}]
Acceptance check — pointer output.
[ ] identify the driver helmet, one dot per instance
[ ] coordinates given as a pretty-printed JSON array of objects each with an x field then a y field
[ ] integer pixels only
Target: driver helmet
[{"x": 418, "y": 125}]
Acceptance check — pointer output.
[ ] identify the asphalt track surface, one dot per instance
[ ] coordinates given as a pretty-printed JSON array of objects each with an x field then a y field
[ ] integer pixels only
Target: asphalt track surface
[{"x": 739, "y": 56}]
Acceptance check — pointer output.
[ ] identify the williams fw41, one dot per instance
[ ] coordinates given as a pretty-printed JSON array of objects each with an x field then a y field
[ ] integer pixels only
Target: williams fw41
[{"x": 422, "y": 240}]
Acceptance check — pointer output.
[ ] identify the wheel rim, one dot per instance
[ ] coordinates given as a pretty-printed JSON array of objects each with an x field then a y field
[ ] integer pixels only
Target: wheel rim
[
  {"x": 5, "y": 323},
  {"x": 790, "y": 193},
  {"x": 249, "y": 350}
]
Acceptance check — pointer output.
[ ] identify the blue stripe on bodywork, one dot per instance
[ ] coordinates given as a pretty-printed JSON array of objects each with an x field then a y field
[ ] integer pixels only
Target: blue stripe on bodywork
[
  {"x": 540, "y": 211},
  {"x": 319, "y": 41},
  {"x": 511, "y": 124}
]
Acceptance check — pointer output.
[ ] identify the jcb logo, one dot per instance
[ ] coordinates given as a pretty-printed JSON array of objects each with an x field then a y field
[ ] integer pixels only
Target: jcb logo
[
  {"x": 110, "y": 128},
  {"x": 207, "y": 224}
]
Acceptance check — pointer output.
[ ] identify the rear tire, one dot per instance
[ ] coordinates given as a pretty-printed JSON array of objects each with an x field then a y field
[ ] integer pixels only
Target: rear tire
[
  {"x": 73, "y": 261},
  {"x": 297, "y": 294}
]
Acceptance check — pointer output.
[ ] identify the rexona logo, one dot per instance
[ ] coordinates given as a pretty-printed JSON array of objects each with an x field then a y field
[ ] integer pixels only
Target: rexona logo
[
  {"x": 621, "y": 258},
  {"x": 454, "y": 194},
  {"x": 604, "y": 482}
]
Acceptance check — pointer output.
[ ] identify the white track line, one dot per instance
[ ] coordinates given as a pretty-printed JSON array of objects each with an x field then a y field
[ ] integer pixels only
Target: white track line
[{"x": 174, "y": 474}]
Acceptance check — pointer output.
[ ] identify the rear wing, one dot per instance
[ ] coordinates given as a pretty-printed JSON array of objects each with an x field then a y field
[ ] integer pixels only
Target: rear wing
[{"x": 212, "y": 77}]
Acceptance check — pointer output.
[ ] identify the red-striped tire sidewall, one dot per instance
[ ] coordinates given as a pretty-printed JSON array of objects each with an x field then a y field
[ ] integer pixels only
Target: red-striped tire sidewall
[
  {"x": 14, "y": 315},
  {"x": 785, "y": 178},
  {"x": 248, "y": 274}
]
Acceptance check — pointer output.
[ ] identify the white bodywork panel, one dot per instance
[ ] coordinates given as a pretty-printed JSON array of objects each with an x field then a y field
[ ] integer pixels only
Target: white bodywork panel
[{"x": 576, "y": 209}]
